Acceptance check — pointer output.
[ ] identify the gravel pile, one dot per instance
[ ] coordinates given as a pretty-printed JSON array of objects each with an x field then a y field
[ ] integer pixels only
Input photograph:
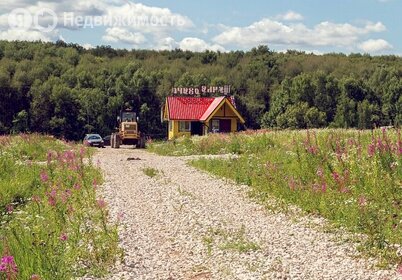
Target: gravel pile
[{"x": 186, "y": 224}]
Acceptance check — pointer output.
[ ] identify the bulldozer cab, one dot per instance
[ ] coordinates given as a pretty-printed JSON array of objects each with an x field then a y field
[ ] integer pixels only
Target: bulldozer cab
[{"x": 128, "y": 117}]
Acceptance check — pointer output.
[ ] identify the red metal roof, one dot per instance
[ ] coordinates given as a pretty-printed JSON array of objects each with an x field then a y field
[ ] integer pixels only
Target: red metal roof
[
  {"x": 194, "y": 108},
  {"x": 188, "y": 108},
  {"x": 211, "y": 108}
]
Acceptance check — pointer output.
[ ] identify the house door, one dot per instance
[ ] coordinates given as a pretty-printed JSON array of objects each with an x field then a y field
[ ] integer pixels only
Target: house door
[
  {"x": 225, "y": 126},
  {"x": 196, "y": 128}
]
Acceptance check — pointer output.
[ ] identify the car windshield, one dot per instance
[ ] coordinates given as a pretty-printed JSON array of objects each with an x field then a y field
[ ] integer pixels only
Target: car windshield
[{"x": 94, "y": 137}]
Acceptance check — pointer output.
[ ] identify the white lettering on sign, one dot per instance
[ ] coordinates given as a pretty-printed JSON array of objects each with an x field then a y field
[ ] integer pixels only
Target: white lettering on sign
[{"x": 225, "y": 90}]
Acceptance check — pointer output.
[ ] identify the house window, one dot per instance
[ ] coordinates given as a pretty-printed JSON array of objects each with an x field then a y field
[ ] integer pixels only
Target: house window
[
  {"x": 184, "y": 126},
  {"x": 215, "y": 126},
  {"x": 170, "y": 126}
]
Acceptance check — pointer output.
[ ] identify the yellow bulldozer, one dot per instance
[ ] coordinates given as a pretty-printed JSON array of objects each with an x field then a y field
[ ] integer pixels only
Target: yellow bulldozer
[{"x": 127, "y": 132}]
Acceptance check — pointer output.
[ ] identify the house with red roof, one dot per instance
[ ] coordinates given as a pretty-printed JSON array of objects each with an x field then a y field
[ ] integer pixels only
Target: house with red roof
[{"x": 200, "y": 115}]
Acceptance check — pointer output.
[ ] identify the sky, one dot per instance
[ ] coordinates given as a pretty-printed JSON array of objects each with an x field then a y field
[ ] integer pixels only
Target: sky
[{"x": 342, "y": 26}]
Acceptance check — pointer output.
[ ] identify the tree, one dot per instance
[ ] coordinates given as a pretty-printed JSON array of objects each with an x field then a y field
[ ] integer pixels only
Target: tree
[
  {"x": 67, "y": 90},
  {"x": 303, "y": 89},
  {"x": 280, "y": 101},
  {"x": 314, "y": 118},
  {"x": 294, "y": 116},
  {"x": 364, "y": 111},
  {"x": 20, "y": 122},
  {"x": 354, "y": 89},
  {"x": 64, "y": 122},
  {"x": 345, "y": 113},
  {"x": 208, "y": 57}
]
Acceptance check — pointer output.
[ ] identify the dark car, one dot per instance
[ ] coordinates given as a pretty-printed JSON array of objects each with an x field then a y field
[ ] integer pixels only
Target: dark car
[
  {"x": 106, "y": 140},
  {"x": 94, "y": 140}
]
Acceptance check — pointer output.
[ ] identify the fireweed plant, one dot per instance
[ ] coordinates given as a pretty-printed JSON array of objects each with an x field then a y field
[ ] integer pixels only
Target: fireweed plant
[
  {"x": 53, "y": 226},
  {"x": 352, "y": 178}
]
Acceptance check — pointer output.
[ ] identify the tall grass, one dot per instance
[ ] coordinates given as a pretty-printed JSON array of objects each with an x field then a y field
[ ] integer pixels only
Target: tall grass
[
  {"x": 53, "y": 226},
  {"x": 31, "y": 146},
  {"x": 353, "y": 178}
]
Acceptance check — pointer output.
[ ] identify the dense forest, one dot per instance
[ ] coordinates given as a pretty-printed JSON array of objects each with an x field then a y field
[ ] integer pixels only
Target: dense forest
[{"x": 67, "y": 91}]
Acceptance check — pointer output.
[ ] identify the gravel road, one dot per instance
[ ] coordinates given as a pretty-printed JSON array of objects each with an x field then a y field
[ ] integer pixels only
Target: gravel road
[{"x": 186, "y": 224}]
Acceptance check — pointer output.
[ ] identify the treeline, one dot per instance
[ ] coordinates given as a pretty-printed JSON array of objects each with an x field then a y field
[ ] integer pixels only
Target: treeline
[{"x": 67, "y": 91}]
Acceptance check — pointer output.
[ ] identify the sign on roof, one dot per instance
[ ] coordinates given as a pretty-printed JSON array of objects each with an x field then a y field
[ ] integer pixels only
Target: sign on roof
[{"x": 202, "y": 90}]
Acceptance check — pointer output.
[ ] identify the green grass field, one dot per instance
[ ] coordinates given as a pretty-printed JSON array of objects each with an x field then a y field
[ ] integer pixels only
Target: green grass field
[
  {"x": 352, "y": 178},
  {"x": 53, "y": 226}
]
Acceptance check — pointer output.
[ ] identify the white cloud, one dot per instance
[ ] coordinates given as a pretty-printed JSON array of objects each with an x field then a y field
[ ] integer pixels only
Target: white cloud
[
  {"x": 137, "y": 24},
  {"x": 189, "y": 44},
  {"x": 24, "y": 35},
  {"x": 290, "y": 16},
  {"x": 139, "y": 19},
  {"x": 87, "y": 46},
  {"x": 126, "y": 22},
  {"x": 167, "y": 44},
  {"x": 149, "y": 19},
  {"x": 198, "y": 45},
  {"x": 267, "y": 31},
  {"x": 375, "y": 46},
  {"x": 316, "y": 52},
  {"x": 48, "y": 14},
  {"x": 121, "y": 35}
]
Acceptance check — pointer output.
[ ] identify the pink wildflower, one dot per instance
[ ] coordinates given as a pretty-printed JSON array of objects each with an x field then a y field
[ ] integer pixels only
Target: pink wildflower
[
  {"x": 36, "y": 198},
  {"x": 101, "y": 203},
  {"x": 63, "y": 236},
  {"x": 324, "y": 187},
  {"x": 53, "y": 193},
  {"x": 316, "y": 187},
  {"x": 371, "y": 150},
  {"x": 77, "y": 186},
  {"x": 8, "y": 266},
  {"x": 69, "y": 155},
  {"x": 43, "y": 176},
  {"x": 312, "y": 150},
  {"x": 320, "y": 172},
  {"x": 94, "y": 183},
  {"x": 51, "y": 201},
  {"x": 65, "y": 196},
  {"x": 336, "y": 176},
  {"x": 52, "y": 197},
  {"x": 362, "y": 201},
  {"x": 75, "y": 167},
  {"x": 9, "y": 208},
  {"x": 399, "y": 269},
  {"x": 35, "y": 277}
]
